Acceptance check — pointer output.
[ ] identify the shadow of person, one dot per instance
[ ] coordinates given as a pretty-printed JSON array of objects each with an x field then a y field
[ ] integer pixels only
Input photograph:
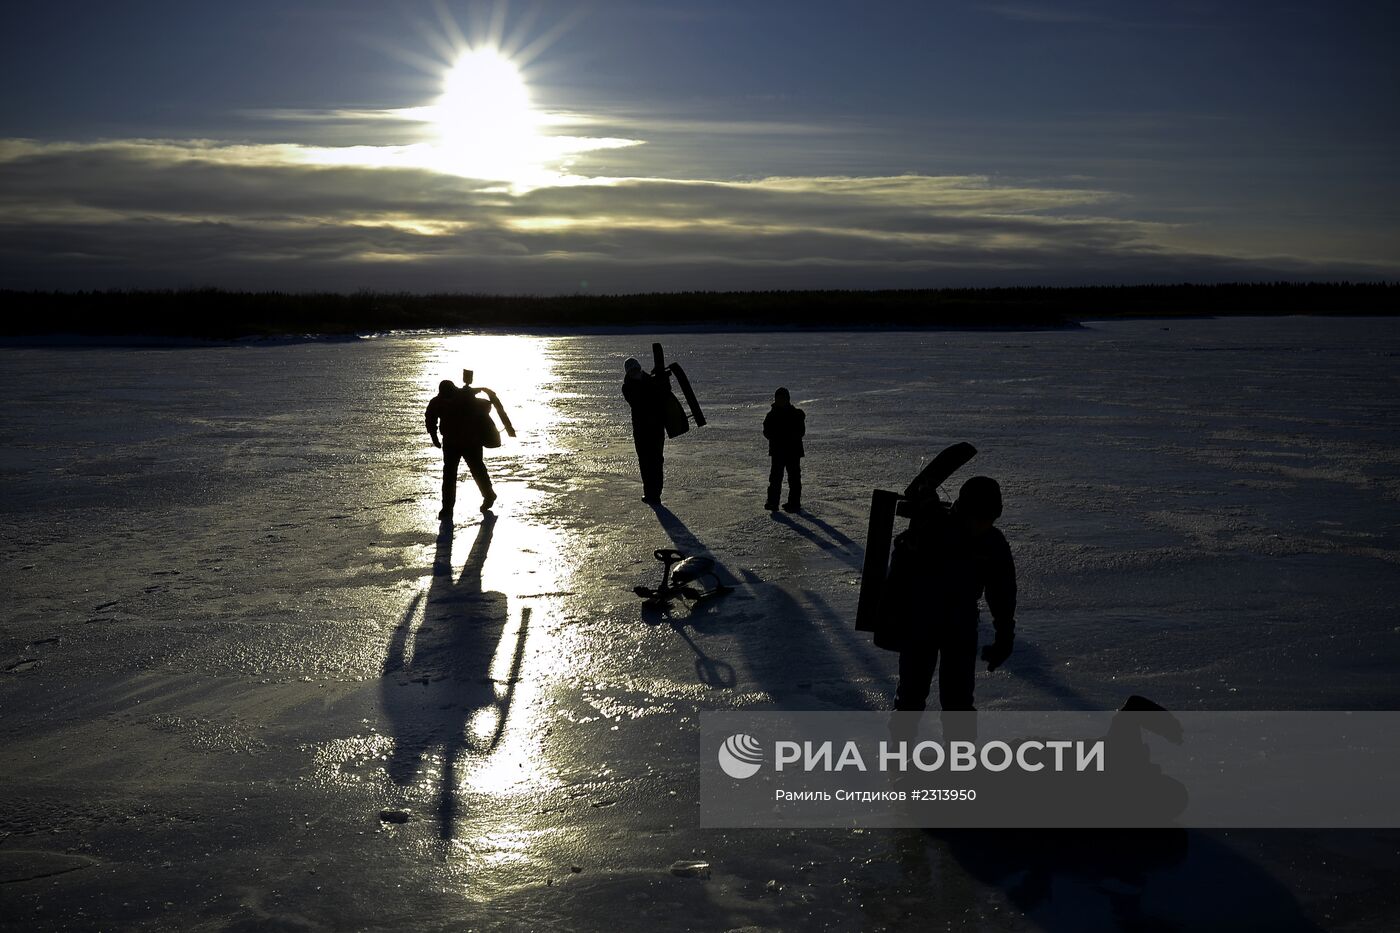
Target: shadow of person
[
  {"x": 833, "y": 533},
  {"x": 437, "y": 680},
  {"x": 842, "y": 552},
  {"x": 1030, "y": 664},
  {"x": 788, "y": 648},
  {"x": 1121, "y": 879},
  {"x": 1159, "y": 879},
  {"x": 711, "y": 672},
  {"x": 682, "y": 537}
]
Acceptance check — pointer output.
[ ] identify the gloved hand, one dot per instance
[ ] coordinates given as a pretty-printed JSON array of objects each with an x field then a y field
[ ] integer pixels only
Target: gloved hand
[{"x": 998, "y": 651}]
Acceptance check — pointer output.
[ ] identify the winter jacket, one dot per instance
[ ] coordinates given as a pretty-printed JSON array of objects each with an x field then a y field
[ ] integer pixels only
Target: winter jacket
[
  {"x": 938, "y": 574},
  {"x": 647, "y": 396},
  {"x": 785, "y": 427},
  {"x": 465, "y": 418}
]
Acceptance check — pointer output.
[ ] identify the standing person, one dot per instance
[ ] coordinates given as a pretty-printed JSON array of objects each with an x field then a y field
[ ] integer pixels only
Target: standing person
[
  {"x": 466, "y": 429},
  {"x": 950, "y": 559},
  {"x": 785, "y": 426},
  {"x": 646, "y": 394}
]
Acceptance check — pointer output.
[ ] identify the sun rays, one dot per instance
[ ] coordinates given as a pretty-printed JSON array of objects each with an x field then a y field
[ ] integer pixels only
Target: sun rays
[{"x": 483, "y": 122}]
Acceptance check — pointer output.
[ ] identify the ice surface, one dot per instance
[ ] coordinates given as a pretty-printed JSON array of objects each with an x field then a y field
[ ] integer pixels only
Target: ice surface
[{"x": 233, "y": 636}]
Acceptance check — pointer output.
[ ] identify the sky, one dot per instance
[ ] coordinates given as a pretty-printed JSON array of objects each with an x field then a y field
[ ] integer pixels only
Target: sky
[{"x": 625, "y": 146}]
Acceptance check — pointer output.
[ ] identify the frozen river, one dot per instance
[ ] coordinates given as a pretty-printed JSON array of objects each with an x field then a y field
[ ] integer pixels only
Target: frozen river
[{"x": 235, "y": 646}]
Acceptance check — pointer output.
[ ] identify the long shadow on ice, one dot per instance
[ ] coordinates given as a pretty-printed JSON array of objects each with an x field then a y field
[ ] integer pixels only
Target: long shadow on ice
[
  {"x": 830, "y": 540},
  {"x": 1169, "y": 879},
  {"x": 1030, "y": 664},
  {"x": 712, "y": 672},
  {"x": 437, "y": 677},
  {"x": 1129, "y": 880},
  {"x": 840, "y": 537},
  {"x": 802, "y": 656}
]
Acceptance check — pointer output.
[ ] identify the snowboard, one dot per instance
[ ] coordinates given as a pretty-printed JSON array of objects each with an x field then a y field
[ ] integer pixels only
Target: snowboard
[
  {"x": 949, "y": 461},
  {"x": 877, "y": 558},
  {"x": 677, "y": 422},
  {"x": 879, "y": 535},
  {"x": 689, "y": 393},
  {"x": 495, "y": 402}
]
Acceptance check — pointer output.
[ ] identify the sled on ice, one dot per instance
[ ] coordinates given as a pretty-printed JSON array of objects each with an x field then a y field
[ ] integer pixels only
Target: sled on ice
[{"x": 682, "y": 577}]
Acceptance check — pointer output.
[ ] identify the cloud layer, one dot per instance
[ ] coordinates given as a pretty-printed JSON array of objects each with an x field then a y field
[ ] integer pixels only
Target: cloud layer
[{"x": 159, "y": 213}]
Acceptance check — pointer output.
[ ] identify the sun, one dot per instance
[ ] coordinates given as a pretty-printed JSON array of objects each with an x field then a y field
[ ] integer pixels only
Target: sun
[{"x": 485, "y": 122}]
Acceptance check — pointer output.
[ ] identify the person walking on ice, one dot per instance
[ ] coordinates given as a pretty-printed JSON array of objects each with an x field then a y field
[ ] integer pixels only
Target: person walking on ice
[
  {"x": 467, "y": 429},
  {"x": 785, "y": 426},
  {"x": 646, "y": 394},
  {"x": 948, "y": 563}
]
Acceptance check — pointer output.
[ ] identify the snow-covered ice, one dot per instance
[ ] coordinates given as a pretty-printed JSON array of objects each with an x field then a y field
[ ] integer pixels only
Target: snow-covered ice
[{"x": 237, "y": 653}]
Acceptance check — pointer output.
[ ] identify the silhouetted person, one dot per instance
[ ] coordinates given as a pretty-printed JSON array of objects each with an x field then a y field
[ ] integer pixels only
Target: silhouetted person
[
  {"x": 466, "y": 428},
  {"x": 953, "y": 557},
  {"x": 785, "y": 426},
  {"x": 646, "y": 393}
]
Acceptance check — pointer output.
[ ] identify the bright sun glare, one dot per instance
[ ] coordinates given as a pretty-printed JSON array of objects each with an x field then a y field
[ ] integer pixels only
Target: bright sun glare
[{"x": 485, "y": 122}]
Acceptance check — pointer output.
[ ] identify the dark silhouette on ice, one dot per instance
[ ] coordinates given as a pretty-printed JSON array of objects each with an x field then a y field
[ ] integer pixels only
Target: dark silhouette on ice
[
  {"x": 711, "y": 672},
  {"x": 467, "y": 429},
  {"x": 1036, "y": 669},
  {"x": 1067, "y": 881},
  {"x": 687, "y": 543},
  {"x": 647, "y": 395},
  {"x": 685, "y": 577},
  {"x": 835, "y": 534},
  {"x": 1158, "y": 880},
  {"x": 1135, "y": 790},
  {"x": 433, "y": 691},
  {"x": 837, "y": 544},
  {"x": 785, "y": 425},
  {"x": 800, "y": 653},
  {"x": 942, "y": 565}
]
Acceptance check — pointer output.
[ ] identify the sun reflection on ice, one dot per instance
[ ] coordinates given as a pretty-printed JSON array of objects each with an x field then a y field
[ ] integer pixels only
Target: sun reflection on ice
[
  {"x": 480, "y": 645},
  {"x": 521, "y": 370}
]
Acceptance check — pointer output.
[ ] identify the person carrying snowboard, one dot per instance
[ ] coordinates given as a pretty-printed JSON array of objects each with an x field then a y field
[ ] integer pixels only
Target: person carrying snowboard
[
  {"x": 646, "y": 394},
  {"x": 467, "y": 428},
  {"x": 785, "y": 426},
  {"x": 945, "y": 563}
]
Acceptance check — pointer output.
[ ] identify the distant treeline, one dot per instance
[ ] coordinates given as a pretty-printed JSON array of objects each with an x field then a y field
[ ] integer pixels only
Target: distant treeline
[{"x": 218, "y": 314}]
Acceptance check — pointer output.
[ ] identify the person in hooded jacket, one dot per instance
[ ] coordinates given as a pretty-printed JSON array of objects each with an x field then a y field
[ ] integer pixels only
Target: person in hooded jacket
[
  {"x": 950, "y": 561},
  {"x": 785, "y": 426}
]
